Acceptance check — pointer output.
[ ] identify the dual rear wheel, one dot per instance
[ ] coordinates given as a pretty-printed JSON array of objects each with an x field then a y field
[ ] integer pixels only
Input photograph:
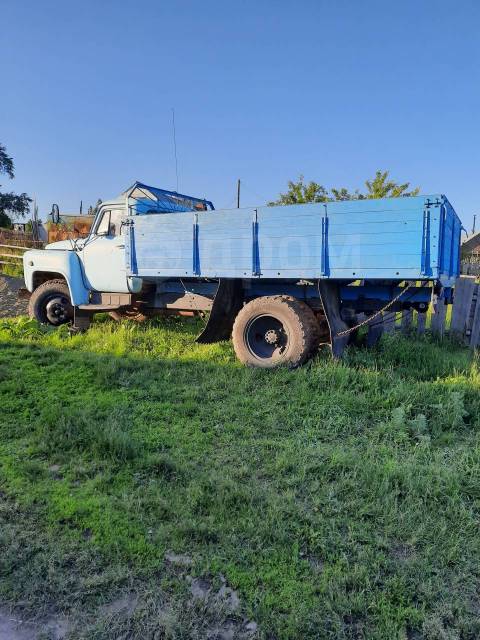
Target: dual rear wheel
[{"x": 275, "y": 330}]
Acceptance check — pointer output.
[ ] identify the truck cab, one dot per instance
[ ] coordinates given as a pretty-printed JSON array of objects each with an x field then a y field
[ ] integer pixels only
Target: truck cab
[{"x": 91, "y": 272}]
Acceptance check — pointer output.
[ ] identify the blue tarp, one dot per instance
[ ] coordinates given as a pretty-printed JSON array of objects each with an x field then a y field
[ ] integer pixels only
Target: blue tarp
[{"x": 146, "y": 199}]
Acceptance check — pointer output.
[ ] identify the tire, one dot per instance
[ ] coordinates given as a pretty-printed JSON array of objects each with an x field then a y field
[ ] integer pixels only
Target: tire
[
  {"x": 50, "y": 303},
  {"x": 275, "y": 330}
]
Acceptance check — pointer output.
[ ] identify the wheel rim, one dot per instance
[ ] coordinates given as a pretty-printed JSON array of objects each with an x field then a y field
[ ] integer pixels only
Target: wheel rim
[
  {"x": 58, "y": 309},
  {"x": 266, "y": 337}
]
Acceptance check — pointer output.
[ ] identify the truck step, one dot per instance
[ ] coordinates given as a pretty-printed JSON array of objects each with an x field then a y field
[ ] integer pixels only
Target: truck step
[{"x": 100, "y": 307}]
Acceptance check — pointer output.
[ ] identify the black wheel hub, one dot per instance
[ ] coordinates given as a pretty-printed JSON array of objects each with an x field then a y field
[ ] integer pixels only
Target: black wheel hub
[
  {"x": 58, "y": 310},
  {"x": 266, "y": 337},
  {"x": 271, "y": 336}
]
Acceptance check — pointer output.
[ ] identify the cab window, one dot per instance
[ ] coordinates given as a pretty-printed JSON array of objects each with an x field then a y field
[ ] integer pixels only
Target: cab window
[{"x": 111, "y": 223}]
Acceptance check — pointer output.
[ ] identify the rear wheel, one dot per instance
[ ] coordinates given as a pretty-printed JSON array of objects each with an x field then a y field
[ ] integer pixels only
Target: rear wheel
[
  {"x": 50, "y": 303},
  {"x": 128, "y": 313},
  {"x": 275, "y": 330}
]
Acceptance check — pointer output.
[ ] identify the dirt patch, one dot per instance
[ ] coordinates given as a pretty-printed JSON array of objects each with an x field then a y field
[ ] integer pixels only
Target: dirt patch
[
  {"x": 10, "y": 304},
  {"x": 126, "y": 604},
  {"x": 13, "y": 628},
  {"x": 402, "y": 553}
]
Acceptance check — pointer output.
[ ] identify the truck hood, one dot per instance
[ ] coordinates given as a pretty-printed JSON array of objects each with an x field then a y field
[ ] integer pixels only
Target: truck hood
[{"x": 64, "y": 245}]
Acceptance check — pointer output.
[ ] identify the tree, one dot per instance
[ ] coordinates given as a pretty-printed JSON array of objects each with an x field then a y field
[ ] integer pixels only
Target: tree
[
  {"x": 5, "y": 221},
  {"x": 344, "y": 194},
  {"x": 11, "y": 203},
  {"x": 379, "y": 187},
  {"x": 92, "y": 211},
  {"x": 382, "y": 187},
  {"x": 299, "y": 193}
]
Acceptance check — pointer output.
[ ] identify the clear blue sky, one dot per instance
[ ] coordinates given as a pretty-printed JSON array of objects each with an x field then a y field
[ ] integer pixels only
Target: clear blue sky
[{"x": 263, "y": 90}]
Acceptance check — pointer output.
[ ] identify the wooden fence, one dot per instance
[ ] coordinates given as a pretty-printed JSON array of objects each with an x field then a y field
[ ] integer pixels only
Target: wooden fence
[
  {"x": 463, "y": 323},
  {"x": 14, "y": 244}
]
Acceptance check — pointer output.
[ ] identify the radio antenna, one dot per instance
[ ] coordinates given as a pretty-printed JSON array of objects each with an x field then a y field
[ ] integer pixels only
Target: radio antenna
[{"x": 175, "y": 145}]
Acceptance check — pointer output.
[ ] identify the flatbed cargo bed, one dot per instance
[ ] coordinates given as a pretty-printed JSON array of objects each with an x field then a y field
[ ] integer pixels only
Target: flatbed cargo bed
[{"x": 410, "y": 238}]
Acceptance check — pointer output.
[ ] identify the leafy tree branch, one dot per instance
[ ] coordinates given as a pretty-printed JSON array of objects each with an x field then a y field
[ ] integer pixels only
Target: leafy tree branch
[
  {"x": 11, "y": 203},
  {"x": 381, "y": 186}
]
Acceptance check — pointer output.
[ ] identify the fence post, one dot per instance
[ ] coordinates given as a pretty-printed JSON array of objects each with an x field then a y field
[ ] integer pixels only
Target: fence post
[
  {"x": 421, "y": 322},
  {"x": 375, "y": 331},
  {"x": 475, "y": 332},
  {"x": 438, "y": 318},
  {"x": 407, "y": 317},
  {"x": 389, "y": 321},
  {"x": 462, "y": 305}
]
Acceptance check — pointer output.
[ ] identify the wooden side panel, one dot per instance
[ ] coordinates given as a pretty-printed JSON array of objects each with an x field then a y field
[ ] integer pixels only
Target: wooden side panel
[{"x": 372, "y": 239}]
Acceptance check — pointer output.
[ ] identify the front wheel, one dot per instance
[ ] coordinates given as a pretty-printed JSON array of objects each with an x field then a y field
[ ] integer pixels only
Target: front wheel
[
  {"x": 50, "y": 303},
  {"x": 275, "y": 330}
]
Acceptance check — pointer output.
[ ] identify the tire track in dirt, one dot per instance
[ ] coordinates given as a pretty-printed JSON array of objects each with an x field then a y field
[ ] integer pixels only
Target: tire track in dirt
[{"x": 10, "y": 304}]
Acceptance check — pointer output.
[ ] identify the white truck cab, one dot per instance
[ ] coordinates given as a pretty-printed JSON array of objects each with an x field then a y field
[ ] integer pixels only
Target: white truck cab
[{"x": 72, "y": 276}]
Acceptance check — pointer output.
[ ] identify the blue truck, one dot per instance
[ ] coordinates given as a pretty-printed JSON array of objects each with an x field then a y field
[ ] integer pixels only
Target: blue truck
[{"x": 278, "y": 280}]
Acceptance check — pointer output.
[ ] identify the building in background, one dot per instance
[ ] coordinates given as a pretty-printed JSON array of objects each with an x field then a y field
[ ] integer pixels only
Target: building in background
[
  {"x": 470, "y": 255},
  {"x": 69, "y": 226}
]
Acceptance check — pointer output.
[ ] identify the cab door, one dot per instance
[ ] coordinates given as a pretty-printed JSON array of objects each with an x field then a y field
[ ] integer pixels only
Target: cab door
[{"x": 103, "y": 253}]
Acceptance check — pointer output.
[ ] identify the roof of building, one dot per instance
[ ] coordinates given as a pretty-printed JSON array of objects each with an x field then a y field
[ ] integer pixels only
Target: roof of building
[{"x": 471, "y": 242}]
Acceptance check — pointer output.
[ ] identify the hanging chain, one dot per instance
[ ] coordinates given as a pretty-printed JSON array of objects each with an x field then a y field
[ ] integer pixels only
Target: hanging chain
[{"x": 377, "y": 313}]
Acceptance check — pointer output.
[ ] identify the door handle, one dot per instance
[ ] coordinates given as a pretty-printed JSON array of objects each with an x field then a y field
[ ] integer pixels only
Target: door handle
[{"x": 120, "y": 246}]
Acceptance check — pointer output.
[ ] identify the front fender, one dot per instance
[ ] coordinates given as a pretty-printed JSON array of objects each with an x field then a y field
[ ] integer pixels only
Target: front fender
[{"x": 53, "y": 261}]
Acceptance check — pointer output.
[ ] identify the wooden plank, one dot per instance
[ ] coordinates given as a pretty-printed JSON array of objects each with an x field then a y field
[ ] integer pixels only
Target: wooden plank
[
  {"x": 462, "y": 304},
  {"x": 389, "y": 321},
  {"x": 407, "y": 318},
  {"x": 438, "y": 318},
  {"x": 421, "y": 323},
  {"x": 14, "y": 246},
  {"x": 475, "y": 332},
  {"x": 11, "y": 255}
]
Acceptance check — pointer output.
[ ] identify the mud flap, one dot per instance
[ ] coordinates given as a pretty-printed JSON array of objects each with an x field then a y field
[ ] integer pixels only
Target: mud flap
[
  {"x": 81, "y": 320},
  {"x": 226, "y": 304},
  {"x": 330, "y": 298}
]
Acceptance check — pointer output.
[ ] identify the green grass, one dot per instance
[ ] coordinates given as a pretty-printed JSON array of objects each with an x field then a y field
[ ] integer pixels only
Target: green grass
[
  {"x": 340, "y": 500},
  {"x": 12, "y": 270}
]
